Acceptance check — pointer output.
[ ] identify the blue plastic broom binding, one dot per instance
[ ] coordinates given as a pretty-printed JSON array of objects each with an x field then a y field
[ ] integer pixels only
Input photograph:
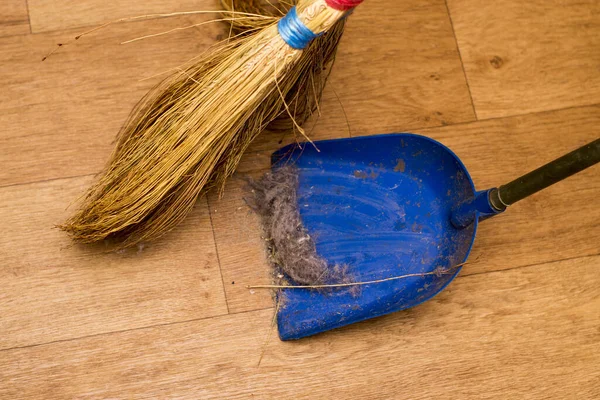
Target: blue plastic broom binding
[
  {"x": 392, "y": 205},
  {"x": 293, "y": 31}
]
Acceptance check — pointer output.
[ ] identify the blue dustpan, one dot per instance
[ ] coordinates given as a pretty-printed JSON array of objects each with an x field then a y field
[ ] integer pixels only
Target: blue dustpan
[{"x": 387, "y": 206}]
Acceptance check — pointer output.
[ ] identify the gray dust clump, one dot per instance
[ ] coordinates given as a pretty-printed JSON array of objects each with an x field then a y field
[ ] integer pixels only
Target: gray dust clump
[{"x": 291, "y": 249}]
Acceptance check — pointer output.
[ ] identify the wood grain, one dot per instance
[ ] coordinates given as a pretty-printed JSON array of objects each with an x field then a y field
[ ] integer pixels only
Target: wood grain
[
  {"x": 520, "y": 322},
  {"x": 52, "y": 290},
  {"x": 53, "y": 15},
  {"x": 60, "y": 116},
  {"x": 529, "y": 56},
  {"x": 527, "y": 333},
  {"x": 558, "y": 223},
  {"x": 14, "y": 18},
  {"x": 402, "y": 74}
]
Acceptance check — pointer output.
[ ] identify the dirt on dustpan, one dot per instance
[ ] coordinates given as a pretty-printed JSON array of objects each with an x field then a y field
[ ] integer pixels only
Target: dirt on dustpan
[{"x": 291, "y": 249}]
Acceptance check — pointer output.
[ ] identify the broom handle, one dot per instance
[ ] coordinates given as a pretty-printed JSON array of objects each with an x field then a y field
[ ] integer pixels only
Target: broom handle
[{"x": 547, "y": 175}]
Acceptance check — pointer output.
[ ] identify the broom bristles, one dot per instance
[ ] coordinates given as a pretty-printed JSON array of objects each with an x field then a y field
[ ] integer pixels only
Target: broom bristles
[{"x": 189, "y": 133}]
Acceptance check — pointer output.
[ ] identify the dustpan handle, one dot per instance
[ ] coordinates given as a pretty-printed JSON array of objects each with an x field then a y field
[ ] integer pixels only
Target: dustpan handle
[{"x": 547, "y": 175}]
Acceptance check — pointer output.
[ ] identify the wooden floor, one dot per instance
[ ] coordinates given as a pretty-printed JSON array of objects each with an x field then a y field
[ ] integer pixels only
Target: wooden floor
[{"x": 508, "y": 85}]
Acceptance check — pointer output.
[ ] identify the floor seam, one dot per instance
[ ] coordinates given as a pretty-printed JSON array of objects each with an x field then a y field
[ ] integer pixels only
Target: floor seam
[
  {"x": 527, "y": 265},
  {"x": 518, "y": 115},
  {"x": 462, "y": 63},
  {"x": 130, "y": 330},
  {"x": 47, "y": 180},
  {"x": 212, "y": 227},
  {"x": 28, "y": 16}
]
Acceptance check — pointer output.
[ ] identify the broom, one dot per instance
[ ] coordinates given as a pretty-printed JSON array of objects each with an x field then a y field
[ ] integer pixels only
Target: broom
[{"x": 190, "y": 132}]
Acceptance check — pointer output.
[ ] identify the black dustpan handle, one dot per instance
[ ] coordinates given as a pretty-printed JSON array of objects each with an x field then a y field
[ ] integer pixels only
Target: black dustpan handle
[{"x": 551, "y": 173}]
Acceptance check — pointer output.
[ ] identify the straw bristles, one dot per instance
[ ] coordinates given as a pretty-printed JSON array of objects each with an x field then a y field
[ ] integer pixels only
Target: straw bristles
[
  {"x": 317, "y": 59},
  {"x": 189, "y": 133},
  {"x": 268, "y": 8}
]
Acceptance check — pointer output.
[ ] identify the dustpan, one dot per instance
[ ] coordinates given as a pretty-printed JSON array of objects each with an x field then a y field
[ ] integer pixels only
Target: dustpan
[{"x": 388, "y": 206}]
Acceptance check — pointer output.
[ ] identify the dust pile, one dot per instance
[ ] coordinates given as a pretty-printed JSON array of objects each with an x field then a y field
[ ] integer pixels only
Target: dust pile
[{"x": 291, "y": 249}]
